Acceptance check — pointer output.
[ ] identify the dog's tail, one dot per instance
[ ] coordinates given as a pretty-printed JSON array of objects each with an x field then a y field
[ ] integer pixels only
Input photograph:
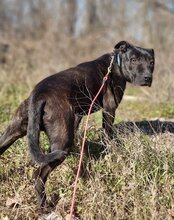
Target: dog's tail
[{"x": 33, "y": 133}]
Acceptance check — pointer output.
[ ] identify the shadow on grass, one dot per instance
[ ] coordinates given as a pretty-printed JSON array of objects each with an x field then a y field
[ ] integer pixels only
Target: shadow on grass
[{"x": 151, "y": 127}]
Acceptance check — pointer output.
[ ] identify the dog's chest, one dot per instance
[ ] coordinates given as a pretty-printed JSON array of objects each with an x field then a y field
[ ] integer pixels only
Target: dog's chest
[{"x": 82, "y": 101}]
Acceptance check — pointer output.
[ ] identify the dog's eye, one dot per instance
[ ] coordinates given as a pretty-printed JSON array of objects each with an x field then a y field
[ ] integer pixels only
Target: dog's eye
[{"x": 152, "y": 62}]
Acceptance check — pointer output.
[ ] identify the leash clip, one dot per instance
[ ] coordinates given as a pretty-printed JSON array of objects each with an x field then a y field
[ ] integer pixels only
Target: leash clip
[{"x": 105, "y": 79}]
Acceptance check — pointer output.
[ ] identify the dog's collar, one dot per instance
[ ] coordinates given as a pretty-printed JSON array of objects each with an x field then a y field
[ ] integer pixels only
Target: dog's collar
[
  {"x": 118, "y": 59},
  {"x": 116, "y": 54}
]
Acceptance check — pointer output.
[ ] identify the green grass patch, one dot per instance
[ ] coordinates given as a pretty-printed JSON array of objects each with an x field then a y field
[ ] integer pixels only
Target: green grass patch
[{"x": 144, "y": 110}]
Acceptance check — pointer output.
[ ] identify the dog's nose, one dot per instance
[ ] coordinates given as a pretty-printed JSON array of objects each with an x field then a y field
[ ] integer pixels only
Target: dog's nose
[{"x": 148, "y": 78}]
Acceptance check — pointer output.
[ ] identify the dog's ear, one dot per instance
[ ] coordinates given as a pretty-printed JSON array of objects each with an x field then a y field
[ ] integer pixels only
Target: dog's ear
[
  {"x": 152, "y": 52},
  {"x": 122, "y": 46}
]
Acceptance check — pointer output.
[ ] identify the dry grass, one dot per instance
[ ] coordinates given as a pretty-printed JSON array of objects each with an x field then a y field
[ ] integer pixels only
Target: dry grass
[{"x": 130, "y": 180}]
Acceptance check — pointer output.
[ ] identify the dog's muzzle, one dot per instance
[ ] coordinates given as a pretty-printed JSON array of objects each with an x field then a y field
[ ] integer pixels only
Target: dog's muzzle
[{"x": 148, "y": 80}]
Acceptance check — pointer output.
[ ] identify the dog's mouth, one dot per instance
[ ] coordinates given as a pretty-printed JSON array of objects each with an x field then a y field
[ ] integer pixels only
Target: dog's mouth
[{"x": 147, "y": 84}]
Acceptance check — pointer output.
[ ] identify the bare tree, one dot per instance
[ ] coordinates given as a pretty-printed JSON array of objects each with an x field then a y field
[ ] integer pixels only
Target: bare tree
[
  {"x": 4, "y": 21},
  {"x": 66, "y": 16}
]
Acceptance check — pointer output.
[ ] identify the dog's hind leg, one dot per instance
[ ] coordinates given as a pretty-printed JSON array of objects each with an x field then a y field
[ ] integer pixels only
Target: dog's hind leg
[
  {"x": 16, "y": 129},
  {"x": 40, "y": 176},
  {"x": 59, "y": 126},
  {"x": 78, "y": 119}
]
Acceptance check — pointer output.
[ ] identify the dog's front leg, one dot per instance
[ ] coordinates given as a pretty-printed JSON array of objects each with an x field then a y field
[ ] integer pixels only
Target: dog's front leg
[
  {"x": 109, "y": 108},
  {"x": 108, "y": 120},
  {"x": 78, "y": 119}
]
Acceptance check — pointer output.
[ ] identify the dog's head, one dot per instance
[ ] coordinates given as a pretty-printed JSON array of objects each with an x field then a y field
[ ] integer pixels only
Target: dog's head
[{"x": 136, "y": 63}]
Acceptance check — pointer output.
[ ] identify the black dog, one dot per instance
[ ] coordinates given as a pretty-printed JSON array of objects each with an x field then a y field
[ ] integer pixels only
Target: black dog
[{"x": 57, "y": 104}]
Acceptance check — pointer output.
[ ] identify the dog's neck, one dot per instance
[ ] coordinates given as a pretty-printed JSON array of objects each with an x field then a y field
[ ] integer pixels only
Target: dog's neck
[
  {"x": 116, "y": 79},
  {"x": 104, "y": 61}
]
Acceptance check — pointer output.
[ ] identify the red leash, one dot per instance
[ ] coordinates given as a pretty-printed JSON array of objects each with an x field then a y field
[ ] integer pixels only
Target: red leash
[{"x": 84, "y": 138}]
